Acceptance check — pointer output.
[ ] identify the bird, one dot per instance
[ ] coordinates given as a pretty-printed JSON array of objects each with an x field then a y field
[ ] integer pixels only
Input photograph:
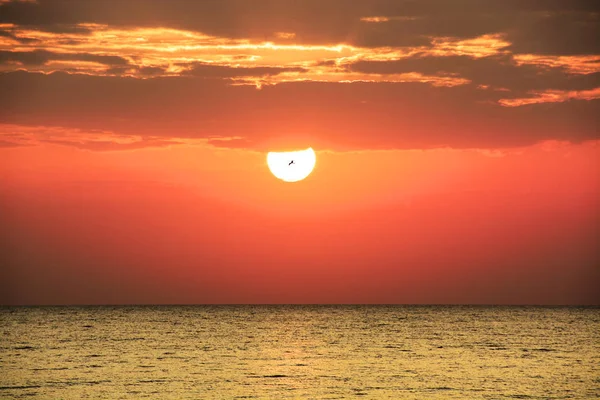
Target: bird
[{"x": 291, "y": 162}]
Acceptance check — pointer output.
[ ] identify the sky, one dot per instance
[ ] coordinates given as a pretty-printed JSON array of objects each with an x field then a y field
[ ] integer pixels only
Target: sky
[{"x": 457, "y": 143}]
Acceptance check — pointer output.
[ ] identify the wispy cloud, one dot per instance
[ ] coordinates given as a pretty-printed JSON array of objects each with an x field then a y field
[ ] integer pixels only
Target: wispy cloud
[
  {"x": 381, "y": 74},
  {"x": 285, "y": 35},
  {"x": 375, "y": 19},
  {"x": 97, "y": 140},
  {"x": 96, "y": 49},
  {"x": 552, "y": 96},
  {"x": 388, "y": 18},
  {"x": 325, "y": 75},
  {"x": 482, "y": 46},
  {"x": 584, "y": 64}
]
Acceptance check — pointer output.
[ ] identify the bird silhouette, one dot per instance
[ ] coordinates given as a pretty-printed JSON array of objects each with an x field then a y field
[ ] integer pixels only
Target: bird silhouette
[{"x": 291, "y": 162}]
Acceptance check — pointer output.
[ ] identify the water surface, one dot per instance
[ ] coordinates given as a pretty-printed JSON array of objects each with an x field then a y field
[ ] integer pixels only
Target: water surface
[{"x": 319, "y": 352}]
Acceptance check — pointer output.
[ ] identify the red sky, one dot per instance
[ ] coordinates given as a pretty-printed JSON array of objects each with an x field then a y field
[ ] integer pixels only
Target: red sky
[{"x": 457, "y": 152}]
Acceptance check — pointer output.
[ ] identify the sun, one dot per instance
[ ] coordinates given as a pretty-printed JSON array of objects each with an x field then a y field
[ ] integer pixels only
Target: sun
[{"x": 292, "y": 166}]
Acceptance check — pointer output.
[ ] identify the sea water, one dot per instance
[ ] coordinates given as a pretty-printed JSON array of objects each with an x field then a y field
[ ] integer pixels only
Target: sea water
[{"x": 306, "y": 352}]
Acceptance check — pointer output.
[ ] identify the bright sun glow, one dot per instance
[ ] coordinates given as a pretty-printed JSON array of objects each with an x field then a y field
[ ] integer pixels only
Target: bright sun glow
[{"x": 292, "y": 166}]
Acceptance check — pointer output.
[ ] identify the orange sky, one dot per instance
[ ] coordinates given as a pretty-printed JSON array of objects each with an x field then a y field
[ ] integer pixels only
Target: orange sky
[{"x": 457, "y": 159}]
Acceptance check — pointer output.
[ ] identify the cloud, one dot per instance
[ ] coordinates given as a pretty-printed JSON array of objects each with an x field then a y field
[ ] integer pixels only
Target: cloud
[
  {"x": 170, "y": 52},
  {"x": 497, "y": 71},
  {"x": 477, "y": 47},
  {"x": 388, "y": 19},
  {"x": 377, "y": 74},
  {"x": 375, "y": 19},
  {"x": 564, "y": 32},
  {"x": 285, "y": 35},
  {"x": 552, "y": 96},
  {"x": 380, "y": 115},
  {"x": 144, "y": 71},
  {"x": 586, "y": 64},
  {"x": 41, "y": 57},
  {"x": 224, "y": 71},
  {"x": 8, "y": 144},
  {"x": 326, "y": 75},
  {"x": 536, "y": 26},
  {"x": 161, "y": 51},
  {"x": 19, "y": 136}
]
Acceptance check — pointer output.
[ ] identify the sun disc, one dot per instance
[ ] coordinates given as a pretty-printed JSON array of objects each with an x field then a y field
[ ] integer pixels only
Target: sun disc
[{"x": 292, "y": 166}]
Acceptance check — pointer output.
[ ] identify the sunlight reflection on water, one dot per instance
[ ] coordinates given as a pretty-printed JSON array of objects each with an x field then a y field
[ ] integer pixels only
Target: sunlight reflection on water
[{"x": 300, "y": 352}]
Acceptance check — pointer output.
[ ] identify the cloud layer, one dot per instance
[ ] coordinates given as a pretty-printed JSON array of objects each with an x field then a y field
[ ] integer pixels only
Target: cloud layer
[{"x": 380, "y": 74}]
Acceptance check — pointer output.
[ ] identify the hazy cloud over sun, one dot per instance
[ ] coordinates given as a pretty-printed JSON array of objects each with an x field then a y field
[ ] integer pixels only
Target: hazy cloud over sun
[{"x": 364, "y": 74}]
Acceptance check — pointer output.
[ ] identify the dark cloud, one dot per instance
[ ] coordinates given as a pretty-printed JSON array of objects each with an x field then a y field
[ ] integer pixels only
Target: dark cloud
[
  {"x": 117, "y": 70},
  {"x": 326, "y": 63},
  {"x": 392, "y": 33},
  {"x": 113, "y": 146},
  {"x": 334, "y": 115},
  {"x": 560, "y": 33},
  {"x": 417, "y": 32},
  {"x": 147, "y": 71},
  {"x": 59, "y": 28},
  {"x": 11, "y": 35},
  {"x": 499, "y": 71},
  {"x": 221, "y": 71},
  {"x": 6, "y": 143},
  {"x": 41, "y": 57},
  {"x": 549, "y": 27}
]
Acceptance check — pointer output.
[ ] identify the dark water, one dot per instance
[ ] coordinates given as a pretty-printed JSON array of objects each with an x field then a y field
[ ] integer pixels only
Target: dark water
[{"x": 281, "y": 352}]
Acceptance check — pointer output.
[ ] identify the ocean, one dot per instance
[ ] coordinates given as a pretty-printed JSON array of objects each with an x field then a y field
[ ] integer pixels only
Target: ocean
[{"x": 300, "y": 352}]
